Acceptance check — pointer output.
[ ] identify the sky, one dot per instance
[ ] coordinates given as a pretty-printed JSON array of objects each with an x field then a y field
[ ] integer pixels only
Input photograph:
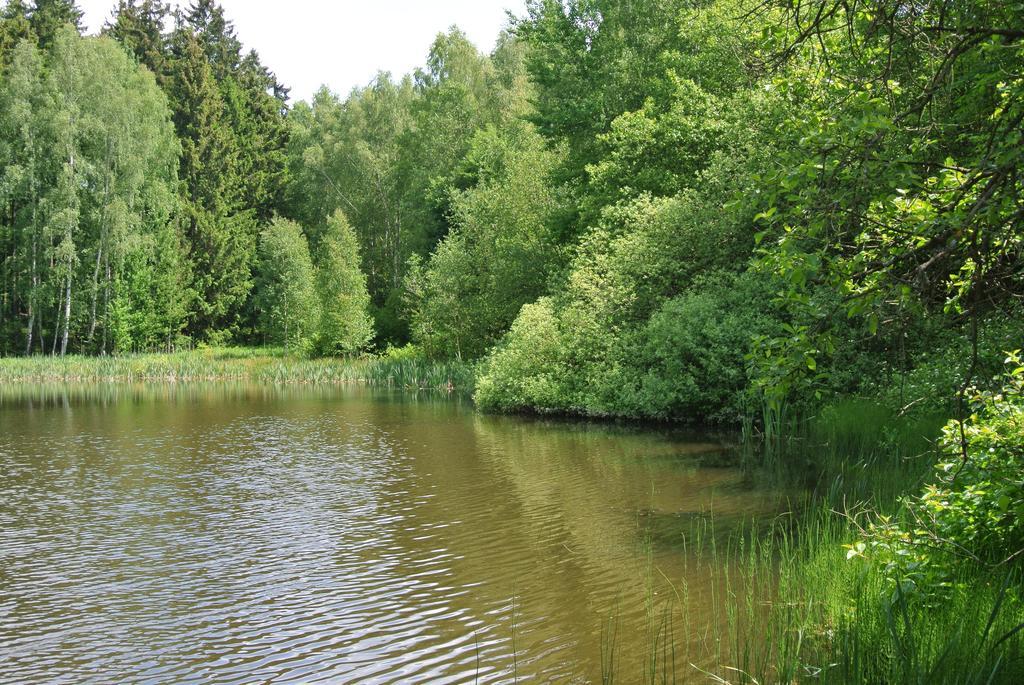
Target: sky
[{"x": 344, "y": 43}]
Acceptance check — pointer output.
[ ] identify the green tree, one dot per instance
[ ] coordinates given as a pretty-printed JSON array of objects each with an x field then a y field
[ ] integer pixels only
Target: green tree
[
  {"x": 902, "y": 197},
  {"x": 138, "y": 25},
  {"x": 498, "y": 255},
  {"x": 592, "y": 60},
  {"x": 90, "y": 185},
  {"x": 15, "y": 26},
  {"x": 390, "y": 154},
  {"x": 257, "y": 114},
  {"x": 220, "y": 230},
  {"x": 347, "y": 155},
  {"x": 49, "y": 17},
  {"x": 206, "y": 21},
  {"x": 26, "y": 122},
  {"x": 346, "y": 326},
  {"x": 287, "y": 301},
  {"x": 664, "y": 226}
]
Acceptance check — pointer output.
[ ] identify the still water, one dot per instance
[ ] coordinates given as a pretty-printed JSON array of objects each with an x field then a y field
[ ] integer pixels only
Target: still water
[{"x": 231, "y": 534}]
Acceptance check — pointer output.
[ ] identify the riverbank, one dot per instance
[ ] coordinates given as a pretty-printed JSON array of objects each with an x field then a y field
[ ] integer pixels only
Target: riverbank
[
  {"x": 845, "y": 603},
  {"x": 261, "y": 365}
]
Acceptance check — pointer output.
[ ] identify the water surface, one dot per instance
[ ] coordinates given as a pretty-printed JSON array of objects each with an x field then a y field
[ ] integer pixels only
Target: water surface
[{"x": 231, "y": 534}]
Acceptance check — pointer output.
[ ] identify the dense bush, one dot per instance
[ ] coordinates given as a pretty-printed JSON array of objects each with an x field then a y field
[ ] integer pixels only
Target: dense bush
[
  {"x": 690, "y": 359},
  {"x": 526, "y": 372}
]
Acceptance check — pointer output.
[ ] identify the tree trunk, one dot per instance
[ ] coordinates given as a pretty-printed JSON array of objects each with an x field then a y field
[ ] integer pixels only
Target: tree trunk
[
  {"x": 95, "y": 291},
  {"x": 67, "y": 318},
  {"x": 56, "y": 326}
]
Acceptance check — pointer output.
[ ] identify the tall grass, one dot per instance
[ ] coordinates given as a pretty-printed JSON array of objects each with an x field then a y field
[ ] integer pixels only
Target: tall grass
[
  {"x": 239, "y": 364},
  {"x": 788, "y": 606}
]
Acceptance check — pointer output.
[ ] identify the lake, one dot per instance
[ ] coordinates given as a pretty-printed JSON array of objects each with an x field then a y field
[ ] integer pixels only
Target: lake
[{"x": 238, "y": 534}]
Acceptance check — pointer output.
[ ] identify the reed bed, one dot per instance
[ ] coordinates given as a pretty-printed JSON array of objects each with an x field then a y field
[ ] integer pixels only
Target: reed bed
[
  {"x": 788, "y": 607},
  {"x": 239, "y": 364}
]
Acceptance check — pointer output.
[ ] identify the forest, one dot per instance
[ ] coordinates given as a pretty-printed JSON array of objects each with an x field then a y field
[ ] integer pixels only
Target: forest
[
  {"x": 701, "y": 211},
  {"x": 740, "y": 213}
]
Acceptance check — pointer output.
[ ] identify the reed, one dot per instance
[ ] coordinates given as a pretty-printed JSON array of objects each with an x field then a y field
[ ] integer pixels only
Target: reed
[{"x": 239, "y": 364}]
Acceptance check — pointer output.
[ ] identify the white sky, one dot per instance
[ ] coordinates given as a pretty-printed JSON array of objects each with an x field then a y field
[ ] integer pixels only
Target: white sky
[{"x": 343, "y": 44}]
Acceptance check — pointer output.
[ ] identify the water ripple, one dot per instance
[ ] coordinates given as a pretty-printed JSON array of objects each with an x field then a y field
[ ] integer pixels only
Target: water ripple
[{"x": 316, "y": 538}]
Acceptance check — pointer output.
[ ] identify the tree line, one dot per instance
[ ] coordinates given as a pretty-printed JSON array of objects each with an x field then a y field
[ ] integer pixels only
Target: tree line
[
  {"x": 144, "y": 172},
  {"x": 657, "y": 208}
]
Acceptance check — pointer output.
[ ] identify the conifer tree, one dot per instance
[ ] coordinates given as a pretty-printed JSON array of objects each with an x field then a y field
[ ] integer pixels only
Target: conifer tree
[
  {"x": 216, "y": 36},
  {"x": 139, "y": 27},
  {"x": 221, "y": 232},
  {"x": 50, "y": 16},
  {"x": 14, "y": 27}
]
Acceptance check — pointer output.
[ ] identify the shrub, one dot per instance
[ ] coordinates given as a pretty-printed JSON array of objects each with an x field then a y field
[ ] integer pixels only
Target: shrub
[
  {"x": 524, "y": 371},
  {"x": 691, "y": 360},
  {"x": 972, "y": 515}
]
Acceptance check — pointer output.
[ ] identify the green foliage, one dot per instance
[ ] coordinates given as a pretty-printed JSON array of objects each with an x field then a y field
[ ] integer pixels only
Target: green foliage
[
  {"x": 220, "y": 231},
  {"x": 49, "y": 18},
  {"x": 346, "y": 156},
  {"x": 14, "y": 28},
  {"x": 391, "y": 154},
  {"x": 641, "y": 284},
  {"x": 690, "y": 355},
  {"x": 89, "y": 186},
  {"x": 592, "y": 60},
  {"x": 525, "y": 372},
  {"x": 229, "y": 115},
  {"x": 345, "y": 326},
  {"x": 497, "y": 256},
  {"x": 287, "y": 301},
  {"x": 973, "y": 512},
  {"x": 902, "y": 194},
  {"x": 138, "y": 26}
]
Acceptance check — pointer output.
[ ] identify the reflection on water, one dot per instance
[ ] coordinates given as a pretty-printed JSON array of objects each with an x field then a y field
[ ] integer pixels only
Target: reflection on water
[{"x": 237, "y": 534}]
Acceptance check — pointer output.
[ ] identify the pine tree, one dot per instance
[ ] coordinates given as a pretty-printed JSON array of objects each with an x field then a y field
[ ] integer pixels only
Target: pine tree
[
  {"x": 139, "y": 27},
  {"x": 262, "y": 133},
  {"x": 216, "y": 35},
  {"x": 49, "y": 16},
  {"x": 219, "y": 230},
  {"x": 15, "y": 26}
]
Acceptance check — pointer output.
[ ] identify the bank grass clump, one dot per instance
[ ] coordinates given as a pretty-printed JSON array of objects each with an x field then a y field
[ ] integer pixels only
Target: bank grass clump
[
  {"x": 786, "y": 604},
  {"x": 828, "y": 617}
]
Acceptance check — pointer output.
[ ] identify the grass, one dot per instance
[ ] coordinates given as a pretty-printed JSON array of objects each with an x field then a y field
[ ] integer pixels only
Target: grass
[
  {"x": 794, "y": 609},
  {"x": 239, "y": 364},
  {"x": 788, "y": 606}
]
